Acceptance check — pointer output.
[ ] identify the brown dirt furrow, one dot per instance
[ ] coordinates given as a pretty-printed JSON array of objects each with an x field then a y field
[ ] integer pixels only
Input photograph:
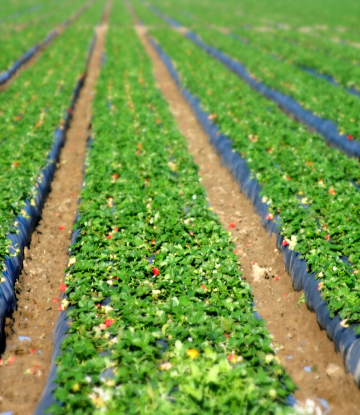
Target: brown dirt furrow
[
  {"x": 30, "y": 330},
  {"x": 305, "y": 351},
  {"x": 59, "y": 30}
]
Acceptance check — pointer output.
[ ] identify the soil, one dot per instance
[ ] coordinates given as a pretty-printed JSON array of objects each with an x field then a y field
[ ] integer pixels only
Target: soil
[
  {"x": 305, "y": 351},
  {"x": 29, "y": 330},
  {"x": 59, "y": 30}
]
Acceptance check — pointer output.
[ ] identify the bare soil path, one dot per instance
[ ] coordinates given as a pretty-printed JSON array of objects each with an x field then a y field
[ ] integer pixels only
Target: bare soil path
[
  {"x": 30, "y": 330},
  {"x": 305, "y": 351}
]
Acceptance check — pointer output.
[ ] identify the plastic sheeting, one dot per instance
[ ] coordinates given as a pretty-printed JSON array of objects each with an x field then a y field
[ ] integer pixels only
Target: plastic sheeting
[{"x": 346, "y": 341}]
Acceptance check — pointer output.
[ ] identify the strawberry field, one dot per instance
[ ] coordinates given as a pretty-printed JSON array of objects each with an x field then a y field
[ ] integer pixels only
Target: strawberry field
[{"x": 125, "y": 287}]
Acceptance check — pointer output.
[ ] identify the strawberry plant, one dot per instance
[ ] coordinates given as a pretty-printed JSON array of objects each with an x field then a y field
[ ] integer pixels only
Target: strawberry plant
[
  {"x": 161, "y": 317},
  {"x": 17, "y": 11},
  {"x": 313, "y": 93},
  {"x": 308, "y": 18},
  {"x": 339, "y": 62},
  {"x": 32, "y": 116},
  {"x": 16, "y": 42},
  {"x": 317, "y": 203}
]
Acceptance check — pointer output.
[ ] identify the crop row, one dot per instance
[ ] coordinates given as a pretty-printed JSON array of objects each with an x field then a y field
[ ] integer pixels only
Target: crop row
[
  {"x": 33, "y": 114},
  {"x": 145, "y": 14},
  {"x": 338, "y": 61},
  {"x": 151, "y": 16},
  {"x": 319, "y": 122},
  {"x": 318, "y": 204},
  {"x": 308, "y": 18},
  {"x": 341, "y": 62},
  {"x": 13, "y": 20},
  {"x": 346, "y": 340},
  {"x": 17, "y": 47},
  {"x": 321, "y": 53},
  {"x": 17, "y": 11},
  {"x": 159, "y": 318},
  {"x": 314, "y": 94}
]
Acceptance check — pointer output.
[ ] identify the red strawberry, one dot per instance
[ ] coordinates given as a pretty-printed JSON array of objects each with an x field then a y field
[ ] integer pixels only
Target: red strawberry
[
  {"x": 109, "y": 322},
  {"x": 231, "y": 357}
]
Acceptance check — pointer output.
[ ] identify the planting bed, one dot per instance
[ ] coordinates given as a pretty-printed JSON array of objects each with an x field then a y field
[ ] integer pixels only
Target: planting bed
[
  {"x": 332, "y": 42},
  {"x": 287, "y": 85},
  {"x": 308, "y": 203},
  {"x": 339, "y": 62},
  {"x": 297, "y": 338},
  {"x": 32, "y": 132},
  {"x": 345, "y": 340},
  {"x": 38, "y": 287},
  {"x": 156, "y": 313},
  {"x": 17, "y": 11},
  {"x": 19, "y": 46},
  {"x": 308, "y": 18},
  {"x": 153, "y": 289}
]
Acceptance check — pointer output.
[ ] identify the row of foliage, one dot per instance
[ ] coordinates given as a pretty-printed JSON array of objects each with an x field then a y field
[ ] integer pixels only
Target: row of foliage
[
  {"x": 161, "y": 319},
  {"x": 325, "y": 19},
  {"x": 16, "y": 42},
  {"x": 314, "y": 94},
  {"x": 339, "y": 61},
  {"x": 326, "y": 54},
  {"x": 313, "y": 188},
  {"x": 14, "y": 12},
  {"x": 31, "y": 109},
  {"x": 323, "y": 53}
]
